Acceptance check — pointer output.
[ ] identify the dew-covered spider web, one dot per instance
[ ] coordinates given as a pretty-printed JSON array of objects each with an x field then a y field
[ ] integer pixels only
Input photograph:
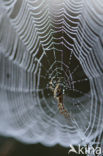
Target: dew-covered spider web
[{"x": 44, "y": 40}]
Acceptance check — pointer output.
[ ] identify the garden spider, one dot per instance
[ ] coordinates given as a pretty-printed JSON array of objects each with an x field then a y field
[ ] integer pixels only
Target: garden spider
[{"x": 58, "y": 95}]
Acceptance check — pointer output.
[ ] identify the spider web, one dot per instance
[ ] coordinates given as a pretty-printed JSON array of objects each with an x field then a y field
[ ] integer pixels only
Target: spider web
[{"x": 49, "y": 40}]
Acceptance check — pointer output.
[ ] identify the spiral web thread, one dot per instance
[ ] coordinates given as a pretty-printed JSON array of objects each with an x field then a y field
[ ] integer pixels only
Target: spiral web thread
[{"x": 44, "y": 40}]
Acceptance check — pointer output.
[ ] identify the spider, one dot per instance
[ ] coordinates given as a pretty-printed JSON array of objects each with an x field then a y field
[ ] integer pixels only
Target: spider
[{"x": 58, "y": 95}]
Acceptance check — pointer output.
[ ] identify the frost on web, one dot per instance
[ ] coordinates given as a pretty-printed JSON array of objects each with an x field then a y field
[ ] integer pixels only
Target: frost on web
[{"x": 44, "y": 40}]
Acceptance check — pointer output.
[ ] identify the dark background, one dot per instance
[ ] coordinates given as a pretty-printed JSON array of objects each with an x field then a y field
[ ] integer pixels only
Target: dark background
[{"x": 11, "y": 147}]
